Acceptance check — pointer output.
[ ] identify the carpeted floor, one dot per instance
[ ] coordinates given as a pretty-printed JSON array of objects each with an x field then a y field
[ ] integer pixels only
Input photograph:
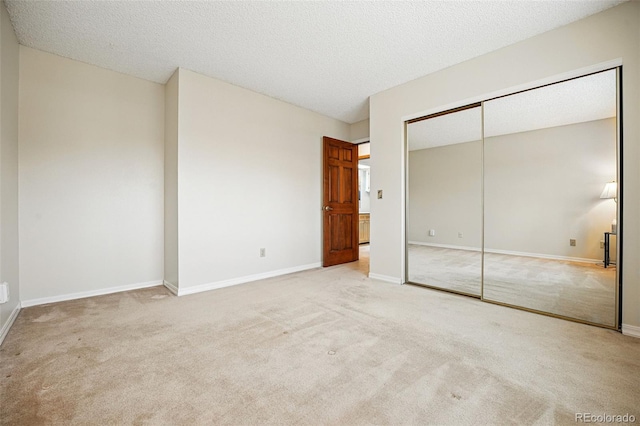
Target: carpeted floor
[
  {"x": 327, "y": 346},
  {"x": 450, "y": 269},
  {"x": 585, "y": 291}
]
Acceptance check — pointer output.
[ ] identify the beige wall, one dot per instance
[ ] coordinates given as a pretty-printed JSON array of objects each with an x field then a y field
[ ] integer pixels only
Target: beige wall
[
  {"x": 359, "y": 130},
  {"x": 9, "y": 60},
  {"x": 171, "y": 182},
  {"x": 91, "y": 178},
  {"x": 608, "y": 37},
  {"x": 445, "y": 194},
  {"x": 249, "y": 177},
  {"x": 541, "y": 188},
  {"x": 104, "y": 177}
]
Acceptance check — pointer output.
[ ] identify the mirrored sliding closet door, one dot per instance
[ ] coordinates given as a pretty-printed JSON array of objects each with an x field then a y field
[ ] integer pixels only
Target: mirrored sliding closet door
[
  {"x": 548, "y": 155},
  {"x": 515, "y": 200},
  {"x": 444, "y": 208}
]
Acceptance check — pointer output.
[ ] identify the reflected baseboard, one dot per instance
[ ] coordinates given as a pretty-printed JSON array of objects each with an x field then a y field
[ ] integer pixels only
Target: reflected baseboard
[
  {"x": 543, "y": 256},
  {"x": 447, "y": 246},
  {"x": 509, "y": 252}
]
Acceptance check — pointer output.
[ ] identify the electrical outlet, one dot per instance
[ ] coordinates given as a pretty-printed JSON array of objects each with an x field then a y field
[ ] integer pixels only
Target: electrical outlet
[
  {"x": 601, "y": 244},
  {"x": 263, "y": 252},
  {"x": 460, "y": 234},
  {"x": 432, "y": 232},
  {"x": 572, "y": 242},
  {"x": 380, "y": 194}
]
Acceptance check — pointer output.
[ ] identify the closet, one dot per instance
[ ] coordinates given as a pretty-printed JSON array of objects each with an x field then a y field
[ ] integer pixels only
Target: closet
[{"x": 512, "y": 200}]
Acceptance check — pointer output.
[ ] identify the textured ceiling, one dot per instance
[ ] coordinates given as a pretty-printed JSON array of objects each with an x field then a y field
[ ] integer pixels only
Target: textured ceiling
[
  {"x": 326, "y": 56},
  {"x": 449, "y": 129},
  {"x": 589, "y": 98}
]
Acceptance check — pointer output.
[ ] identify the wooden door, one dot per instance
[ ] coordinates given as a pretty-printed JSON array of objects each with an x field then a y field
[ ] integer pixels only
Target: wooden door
[{"x": 340, "y": 202}]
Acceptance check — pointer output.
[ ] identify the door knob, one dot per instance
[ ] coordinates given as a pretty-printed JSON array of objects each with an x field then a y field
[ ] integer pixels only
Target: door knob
[{"x": 327, "y": 208}]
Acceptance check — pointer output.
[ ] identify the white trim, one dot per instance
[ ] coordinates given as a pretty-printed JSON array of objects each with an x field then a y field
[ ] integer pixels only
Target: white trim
[
  {"x": 447, "y": 246},
  {"x": 385, "y": 278},
  {"x": 91, "y": 293},
  {"x": 511, "y": 253},
  {"x": 631, "y": 330},
  {"x": 171, "y": 287},
  {"x": 7, "y": 325},
  {"x": 247, "y": 278}
]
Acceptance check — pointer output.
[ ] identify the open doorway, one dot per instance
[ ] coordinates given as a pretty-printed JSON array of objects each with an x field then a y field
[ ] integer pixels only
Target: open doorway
[{"x": 364, "y": 199}]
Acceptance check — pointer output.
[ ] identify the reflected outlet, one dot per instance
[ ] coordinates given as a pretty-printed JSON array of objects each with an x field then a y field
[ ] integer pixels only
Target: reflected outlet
[{"x": 4, "y": 293}]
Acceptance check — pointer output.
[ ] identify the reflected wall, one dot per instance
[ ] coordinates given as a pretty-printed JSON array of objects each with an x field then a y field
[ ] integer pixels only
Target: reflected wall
[
  {"x": 544, "y": 219},
  {"x": 444, "y": 211}
]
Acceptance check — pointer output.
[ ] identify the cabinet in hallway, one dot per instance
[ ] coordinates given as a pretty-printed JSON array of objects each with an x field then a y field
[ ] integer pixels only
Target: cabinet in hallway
[{"x": 364, "y": 228}]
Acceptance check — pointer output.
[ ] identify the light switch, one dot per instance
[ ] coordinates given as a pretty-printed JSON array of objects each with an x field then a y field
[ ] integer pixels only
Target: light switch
[{"x": 379, "y": 194}]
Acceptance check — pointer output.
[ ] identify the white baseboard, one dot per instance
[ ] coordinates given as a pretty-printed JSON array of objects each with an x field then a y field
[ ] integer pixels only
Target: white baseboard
[
  {"x": 385, "y": 278},
  {"x": 91, "y": 293},
  {"x": 509, "y": 252},
  {"x": 631, "y": 330},
  {"x": 242, "y": 280},
  {"x": 7, "y": 326},
  {"x": 171, "y": 287}
]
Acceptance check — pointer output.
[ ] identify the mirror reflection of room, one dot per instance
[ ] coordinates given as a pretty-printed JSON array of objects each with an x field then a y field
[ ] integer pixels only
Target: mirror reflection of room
[
  {"x": 515, "y": 200},
  {"x": 444, "y": 207},
  {"x": 548, "y": 154}
]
